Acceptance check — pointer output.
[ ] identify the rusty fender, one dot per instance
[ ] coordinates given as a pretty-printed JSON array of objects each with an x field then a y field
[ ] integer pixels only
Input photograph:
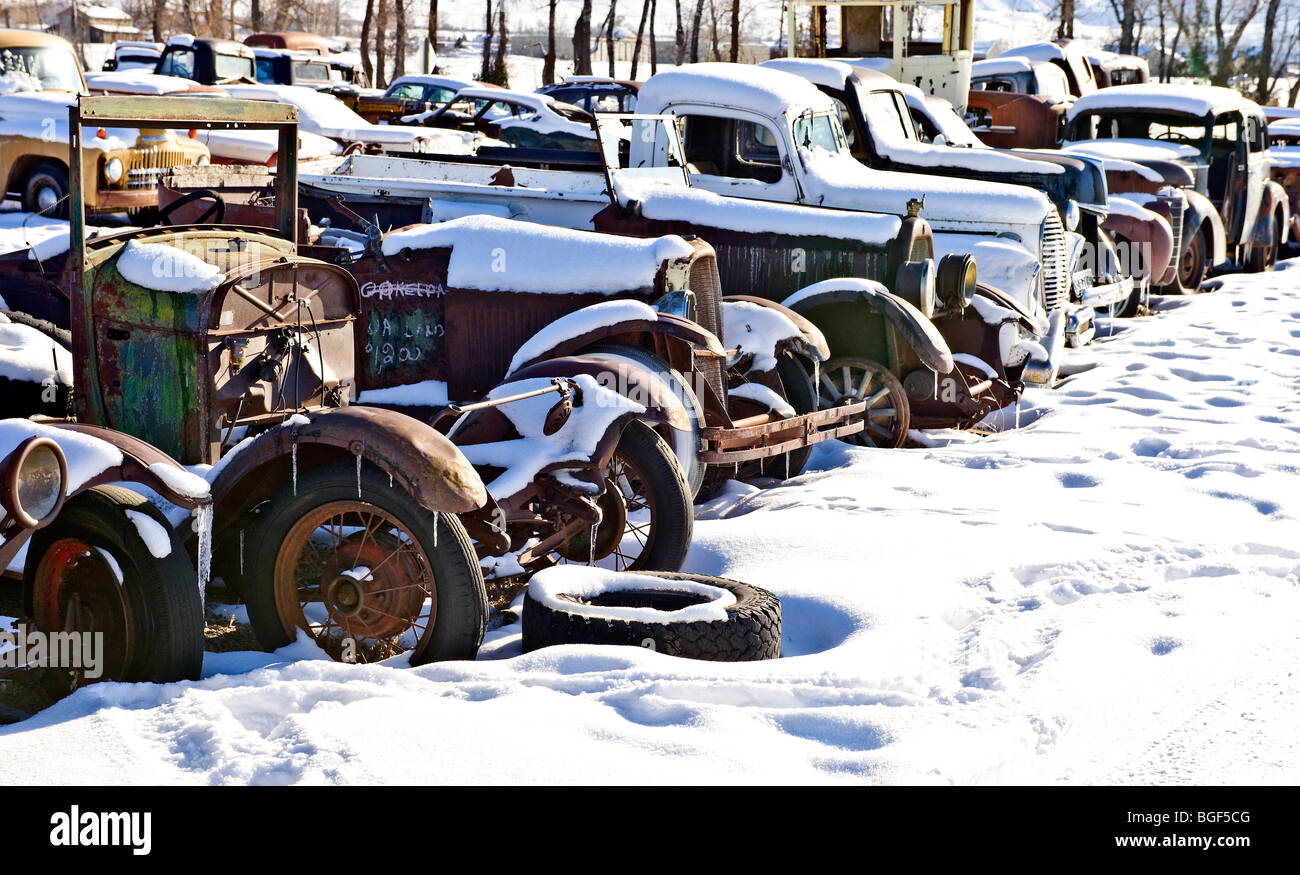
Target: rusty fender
[
  {"x": 662, "y": 405},
  {"x": 665, "y": 325},
  {"x": 1274, "y": 199},
  {"x": 810, "y": 342},
  {"x": 918, "y": 331},
  {"x": 138, "y": 459},
  {"x": 1155, "y": 232},
  {"x": 420, "y": 460},
  {"x": 1202, "y": 212}
]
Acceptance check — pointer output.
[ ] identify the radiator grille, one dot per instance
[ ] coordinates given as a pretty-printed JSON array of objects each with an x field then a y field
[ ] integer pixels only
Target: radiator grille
[
  {"x": 707, "y": 286},
  {"x": 1177, "y": 203},
  {"x": 1055, "y": 261},
  {"x": 148, "y": 164}
]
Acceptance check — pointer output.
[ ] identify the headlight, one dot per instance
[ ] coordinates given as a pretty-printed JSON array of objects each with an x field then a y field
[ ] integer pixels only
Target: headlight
[
  {"x": 955, "y": 281},
  {"x": 113, "y": 170},
  {"x": 34, "y": 482},
  {"x": 914, "y": 283},
  {"x": 679, "y": 303},
  {"x": 1071, "y": 215},
  {"x": 203, "y": 159}
]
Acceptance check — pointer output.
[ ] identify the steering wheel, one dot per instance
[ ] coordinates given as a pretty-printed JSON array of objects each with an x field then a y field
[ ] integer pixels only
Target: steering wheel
[
  {"x": 1176, "y": 137},
  {"x": 217, "y": 212}
]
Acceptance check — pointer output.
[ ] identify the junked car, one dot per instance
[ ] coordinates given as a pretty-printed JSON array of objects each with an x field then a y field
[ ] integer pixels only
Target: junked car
[
  {"x": 39, "y": 79},
  {"x": 1017, "y": 102},
  {"x": 207, "y": 61},
  {"x": 518, "y": 118},
  {"x": 411, "y": 94},
  {"x": 1111, "y": 68},
  {"x": 1197, "y": 151},
  {"x": 1284, "y": 159},
  {"x": 133, "y": 55},
  {"x": 594, "y": 93}
]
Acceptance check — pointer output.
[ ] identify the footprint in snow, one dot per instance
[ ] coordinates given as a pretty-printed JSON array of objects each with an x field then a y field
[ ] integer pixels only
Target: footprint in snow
[
  {"x": 1164, "y": 646},
  {"x": 1222, "y": 401},
  {"x": 1071, "y": 480},
  {"x": 1197, "y": 376},
  {"x": 1150, "y": 447}
]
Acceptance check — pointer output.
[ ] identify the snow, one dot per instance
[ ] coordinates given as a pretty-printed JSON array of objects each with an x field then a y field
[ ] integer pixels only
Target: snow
[
  {"x": 16, "y": 82},
  {"x": 166, "y": 268},
  {"x": 1114, "y": 149},
  {"x": 1001, "y": 66},
  {"x": 179, "y": 480},
  {"x": 756, "y": 329},
  {"x": 575, "y": 441},
  {"x": 137, "y": 82},
  {"x": 155, "y": 537},
  {"x": 27, "y": 355},
  {"x": 547, "y": 587},
  {"x": 87, "y": 456},
  {"x": 45, "y": 237},
  {"x": 664, "y": 201},
  {"x": 1197, "y": 100},
  {"x": 43, "y": 115},
  {"x": 819, "y": 71},
  {"x": 761, "y": 394},
  {"x": 578, "y": 323},
  {"x": 760, "y": 89},
  {"x": 428, "y": 393},
  {"x": 494, "y": 254},
  {"x": 258, "y": 147},
  {"x": 1004, "y": 264}
]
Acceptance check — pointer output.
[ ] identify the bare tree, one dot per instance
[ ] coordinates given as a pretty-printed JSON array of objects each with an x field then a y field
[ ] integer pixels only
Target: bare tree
[
  {"x": 680, "y": 54},
  {"x": 1065, "y": 30},
  {"x": 501, "y": 71},
  {"x": 734, "y": 56},
  {"x": 1126, "y": 14},
  {"x": 381, "y": 44},
  {"x": 695, "y": 31},
  {"x": 609, "y": 36},
  {"x": 489, "y": 28},
  {"x": 1225, "y": 43},
  {"x": 640, "y": 31},
  {"x": 159, "y": 11},
  {"x": 399, "y": 50},
  {"x": 433, "y": 24},
  {"x": 367, "y": 23},
  {"x": 654, "y": 47},
  {"x": 582, "y": 41},
  {"x": 548, "y": 63}
]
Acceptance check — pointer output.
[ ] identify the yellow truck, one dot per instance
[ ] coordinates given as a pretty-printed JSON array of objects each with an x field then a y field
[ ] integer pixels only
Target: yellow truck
[{"x": 40, "y": 78}]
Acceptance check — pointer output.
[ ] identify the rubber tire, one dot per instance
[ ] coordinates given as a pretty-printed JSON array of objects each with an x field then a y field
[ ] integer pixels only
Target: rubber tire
[
  {"x": 668, "y": 494},
  {"x": 56, "y": 177},
  {"x": 1260, "y": 260},
  {"x": 1178, "y": 287},
  {"x": 163, "y": 593},
  {"x": 462, "y": 599},
  {"x": 752, "y": 630},
  {"x": 797, "y": 388},
  {"x": 61, "y": 336},
  {"x": 681, "y": 442}
]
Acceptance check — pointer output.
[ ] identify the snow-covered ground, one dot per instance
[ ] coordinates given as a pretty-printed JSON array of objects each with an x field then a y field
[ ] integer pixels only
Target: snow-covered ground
[{"x": 1109, "y": 594}]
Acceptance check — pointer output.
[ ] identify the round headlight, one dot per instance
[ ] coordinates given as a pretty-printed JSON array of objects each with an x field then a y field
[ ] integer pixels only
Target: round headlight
[
  {"x": 203, "y": 159},
  {"x": 955, "y": 280},
  {"x": 34, "y": 482},
  {"x": 1071, "y": 215},
  {"x": 914, "y": 283},
  {"x": 113, "y": 170}
]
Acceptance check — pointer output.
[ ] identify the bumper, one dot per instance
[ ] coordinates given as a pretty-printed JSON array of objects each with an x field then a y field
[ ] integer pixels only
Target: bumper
[
  {"x": 1042, "y": 369},
  {"x": 746, "y": 440},
  {"x": 1108, "y": 294},
  {"x": 116, "y": 200}
]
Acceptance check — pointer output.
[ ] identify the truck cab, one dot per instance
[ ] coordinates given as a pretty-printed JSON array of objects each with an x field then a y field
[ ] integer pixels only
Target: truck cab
[
  {"x": 207, "y": 61},
  {"x": 40, "y": 78}
]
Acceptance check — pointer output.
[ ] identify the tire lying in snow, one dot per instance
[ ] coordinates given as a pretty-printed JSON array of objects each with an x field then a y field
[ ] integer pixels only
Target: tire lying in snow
[{"x": 688, "y": 615}]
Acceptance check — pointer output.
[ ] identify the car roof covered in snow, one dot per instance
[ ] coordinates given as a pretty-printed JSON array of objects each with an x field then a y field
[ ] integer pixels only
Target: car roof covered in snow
[
  {"x": 1286, "y": 127},
  {"x": 1197, "y": 100},
  {"x": 763, "y": 89},
  {"x": 1001, "y": 66}
]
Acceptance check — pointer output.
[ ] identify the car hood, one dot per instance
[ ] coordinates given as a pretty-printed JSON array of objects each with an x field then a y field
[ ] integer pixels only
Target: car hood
[{"x": 1133, "y": 150}]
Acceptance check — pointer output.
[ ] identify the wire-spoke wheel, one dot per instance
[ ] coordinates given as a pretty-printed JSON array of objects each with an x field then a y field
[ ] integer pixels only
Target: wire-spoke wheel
[
  {"x": 355, "y": 563},
  {"x": 646, "y": 510},
  {"x": 888, "y": 413}
]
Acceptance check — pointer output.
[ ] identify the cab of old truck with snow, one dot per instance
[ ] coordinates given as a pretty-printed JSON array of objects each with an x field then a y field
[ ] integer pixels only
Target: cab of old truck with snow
[
  {"x": 39, "y": 79},
  {"x": 1199, "y": 150},
  {"x": 207, "y": 61}
]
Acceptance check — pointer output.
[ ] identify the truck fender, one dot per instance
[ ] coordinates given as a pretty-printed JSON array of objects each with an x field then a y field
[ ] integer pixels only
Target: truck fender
[
  {"x": 1201, "y": 212},
  {"x": 1144, "y": 228},
  {"x": 801, "y": 336},
  {"x": 420, "y": 460},
  {"x": 145, "y": 464},
  {"x": 1274, "y": 198},
  {"x": 590, "y": 325},
  {"x": 663, "y": 407},
  {"x": 918, "y": 331}
]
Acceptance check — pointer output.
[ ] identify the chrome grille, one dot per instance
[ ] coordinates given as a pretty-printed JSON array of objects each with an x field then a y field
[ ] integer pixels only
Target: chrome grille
[
  {"x": 148, "y": 164},
  {"x": 1055, "y": 260},
  {"x": 1176, "y": 201}
]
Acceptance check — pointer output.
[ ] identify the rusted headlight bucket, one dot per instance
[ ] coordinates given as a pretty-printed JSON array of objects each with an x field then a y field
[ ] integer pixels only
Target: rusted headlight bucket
[
  {"x": 915, "y": 284},
  {"x": 34, "y": 482},
  {"x": 955, "y": 283},
  {"x": 678, "y": 303}
]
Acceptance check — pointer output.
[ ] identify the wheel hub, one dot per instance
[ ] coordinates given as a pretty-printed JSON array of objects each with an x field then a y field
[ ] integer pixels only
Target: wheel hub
[
  {"x": 609, "y": 532},
  {"x": 76, "y": 590}
]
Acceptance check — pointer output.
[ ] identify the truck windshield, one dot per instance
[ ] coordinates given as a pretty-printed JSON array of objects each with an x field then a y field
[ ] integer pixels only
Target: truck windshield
[
  {"x": 40, "y": 68},
  {"x": 1149, "y": 126},
  {"x": 233, "y": 67},
  {"x": 818, "y": 131},
  {"x": 308, "y": 71}
]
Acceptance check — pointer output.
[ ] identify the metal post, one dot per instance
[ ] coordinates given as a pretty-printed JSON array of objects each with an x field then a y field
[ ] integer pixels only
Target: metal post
[{"x": 286, "y": 172}]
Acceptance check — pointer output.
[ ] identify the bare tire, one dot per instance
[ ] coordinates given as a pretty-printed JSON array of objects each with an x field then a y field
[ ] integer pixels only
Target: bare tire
[
  {"x": 91, "y": 571},
  {"x": 46, "y": 191},
  {"x": 1191, "y": 268},
  {"x": 1262, "y": 258},
  {"x": 888, "y": 414},
  {"x": 648, "y": 516},
  {"x": 751, "y": 630},
  {"x": 354, "y": 562}
]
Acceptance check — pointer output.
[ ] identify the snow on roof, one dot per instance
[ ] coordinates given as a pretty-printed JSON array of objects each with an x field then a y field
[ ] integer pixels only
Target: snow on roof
[
  {"x": 423, "y": 79},
  {"x": 27, "y": 355},
  {"x": 166, "y": 268},
  {"x": 1036, "y": 52},
  {"x": 1000, "y": 66},
  {"x": 494, "y": 254},
  {"x": 819, "y": 71},
  {"x": 527, "y": 98},
  {"x": 137, "y": 82},
  {"x": 1197, "y": 100},
  {"x": 761, "y": 89},
  {"x": 1287, "y": 127}
]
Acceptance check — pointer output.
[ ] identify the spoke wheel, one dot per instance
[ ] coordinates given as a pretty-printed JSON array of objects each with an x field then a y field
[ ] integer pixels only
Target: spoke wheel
[
  {"x": 365, "y": 577},
  {"x": 888, "y": 412},
  {"x": 647, "y": 519},
  {"x": 75, "y": 589}
]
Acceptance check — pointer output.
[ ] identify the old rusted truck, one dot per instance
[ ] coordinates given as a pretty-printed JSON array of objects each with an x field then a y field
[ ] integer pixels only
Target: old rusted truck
[
  {"x": 226, "y": 346},
  {"x": 1198, "y": 153}
]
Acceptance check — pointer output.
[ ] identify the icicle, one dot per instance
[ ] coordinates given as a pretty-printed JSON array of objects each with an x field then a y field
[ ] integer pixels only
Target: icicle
[
  {"x": 203, "y": 525},
  {"x": 435, "y": 524},
  {"x": 817, "y": 384},
  {"x": 358, "y": 475},
  {"x": 241, "y": 551},
  {"x": 591, "y": 543},
  {"x": 390, "y": 479},
  {"x": 1017, "y": 414},
  {"x": 294, "y": 454},
  {"x": 936, "y": 384},
  {"x": 787, "y": 466}
]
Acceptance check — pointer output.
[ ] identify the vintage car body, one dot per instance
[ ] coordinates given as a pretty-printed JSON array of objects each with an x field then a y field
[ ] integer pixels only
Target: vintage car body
[
  {"x": 1284, "y": 161},
  {"x": 121, "y": 166},
  {"x": 518, "y": 118},
  {"x": 1203, "y": 145},
  {"x": 133, "y": 55},
  {"x": 876, "y": 112},
  {"x": 1016, "y": 102},
  {"x": 207, "y": 61},
  {"x": 1110, "y": 68},
  {"x": 408, "y": 95},
  {"x": 594, "y": 93},
  {"x": 291, "y": 40},
  {"x": 936, "y": 59}
]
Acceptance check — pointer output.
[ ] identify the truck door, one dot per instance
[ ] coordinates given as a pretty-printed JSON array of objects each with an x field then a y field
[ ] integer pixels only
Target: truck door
[
  {"x": 737, "y": 156},
  {"x": 1257, "y": 172},
  {"x": 1227, "y": 176}
]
